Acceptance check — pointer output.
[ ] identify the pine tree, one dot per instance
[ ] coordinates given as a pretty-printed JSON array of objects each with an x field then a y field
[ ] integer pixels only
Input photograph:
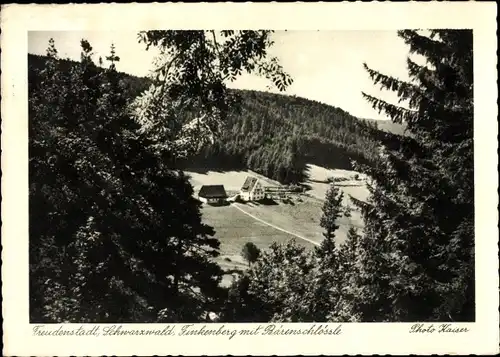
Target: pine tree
[
  {"x": 416, "y": 253},
  {"x": 324, "y": 288},
  {"x": 113, "y": 57},
  {"x": 332, "y": 211}
]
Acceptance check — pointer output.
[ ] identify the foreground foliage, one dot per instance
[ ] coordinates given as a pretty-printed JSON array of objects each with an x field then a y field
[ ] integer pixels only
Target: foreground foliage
[
  {"x": 287, "y": 283},
  {"x": 417, "y": 252},
  {"x": 104, "y": 244},
  {"x": 115, "y": 233},
  {"x": 188, "y": 102},
  {"x": 414, "y": 260}
]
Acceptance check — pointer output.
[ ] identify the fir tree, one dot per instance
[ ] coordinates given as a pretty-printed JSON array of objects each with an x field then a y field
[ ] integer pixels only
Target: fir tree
[
  {"x": 325, "y": 286},
  {"x": 113, "y": 57},
  {"x": 416, "y": 253},
  {"x": 332, "y": 211}
]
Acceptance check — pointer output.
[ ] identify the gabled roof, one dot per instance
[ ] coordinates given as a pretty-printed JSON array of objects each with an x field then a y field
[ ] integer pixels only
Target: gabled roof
[
  {"x": 212, "y": 191},
  {"x": 249, "y": 183}
]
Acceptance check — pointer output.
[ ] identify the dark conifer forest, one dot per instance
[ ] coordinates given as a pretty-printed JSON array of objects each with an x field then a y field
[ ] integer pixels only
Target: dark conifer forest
[{"x": 274, "y": 134}]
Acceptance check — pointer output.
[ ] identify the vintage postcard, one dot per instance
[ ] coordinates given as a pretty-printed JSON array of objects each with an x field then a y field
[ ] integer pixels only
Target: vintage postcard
[{"x": 249, "y": 179}]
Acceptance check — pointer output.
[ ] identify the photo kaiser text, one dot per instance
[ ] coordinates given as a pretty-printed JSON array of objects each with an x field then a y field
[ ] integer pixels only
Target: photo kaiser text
[{"x": 438, "y": 328}]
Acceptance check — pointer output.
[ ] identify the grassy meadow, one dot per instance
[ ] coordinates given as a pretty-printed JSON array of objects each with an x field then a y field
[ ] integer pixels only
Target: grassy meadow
[{"x": 300, "y": 216}]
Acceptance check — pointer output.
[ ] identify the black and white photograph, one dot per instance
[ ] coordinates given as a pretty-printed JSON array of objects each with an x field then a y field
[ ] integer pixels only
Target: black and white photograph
[
  {"x": 274, "y": 177},
  {"x": 218, "y": 181}
]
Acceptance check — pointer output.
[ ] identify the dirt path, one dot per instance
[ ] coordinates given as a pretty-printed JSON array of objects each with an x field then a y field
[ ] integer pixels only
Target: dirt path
[{"x": 237, "y": 206}]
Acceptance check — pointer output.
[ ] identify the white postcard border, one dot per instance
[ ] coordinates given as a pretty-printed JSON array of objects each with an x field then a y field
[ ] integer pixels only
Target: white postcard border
[{"x": 366, "y": 338}]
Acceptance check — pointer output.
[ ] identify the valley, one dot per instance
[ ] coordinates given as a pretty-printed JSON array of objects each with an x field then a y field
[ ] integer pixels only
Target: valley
[{"x": 277, "y": 221}]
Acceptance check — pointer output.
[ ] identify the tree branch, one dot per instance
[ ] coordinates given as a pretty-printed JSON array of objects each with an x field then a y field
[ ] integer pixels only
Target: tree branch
[
  {"x": 216, "y": 44},
  {"x": 396, "y": 113}
]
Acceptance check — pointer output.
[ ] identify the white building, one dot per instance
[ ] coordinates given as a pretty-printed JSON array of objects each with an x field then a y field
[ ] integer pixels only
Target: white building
[{"x": 252, "y": 190}]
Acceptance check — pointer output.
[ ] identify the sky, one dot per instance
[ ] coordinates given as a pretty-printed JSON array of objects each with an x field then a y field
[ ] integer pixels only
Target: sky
[{"x": 326, "y": 66}]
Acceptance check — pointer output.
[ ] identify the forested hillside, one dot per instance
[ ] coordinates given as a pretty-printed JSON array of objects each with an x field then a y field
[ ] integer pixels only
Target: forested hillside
[
  {"x": 274, "y": 134},
  {"x": 277, "y": 135}
]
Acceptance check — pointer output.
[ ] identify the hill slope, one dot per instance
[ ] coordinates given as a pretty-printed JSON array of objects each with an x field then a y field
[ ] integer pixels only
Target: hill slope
[
  {"x": 276, "y": 135},
  {"x": 388, "y": 126}
]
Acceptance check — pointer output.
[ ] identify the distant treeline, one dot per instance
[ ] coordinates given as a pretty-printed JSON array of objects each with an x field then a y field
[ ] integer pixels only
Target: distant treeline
[
  {"x": 134, "y": 85},
  {"x": 277, "y": 135}
]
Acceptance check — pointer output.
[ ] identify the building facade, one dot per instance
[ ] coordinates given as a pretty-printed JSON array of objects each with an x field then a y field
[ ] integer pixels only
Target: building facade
[
  {"x": 212, "y": 194},
  {"x": 252, "y": 190}
]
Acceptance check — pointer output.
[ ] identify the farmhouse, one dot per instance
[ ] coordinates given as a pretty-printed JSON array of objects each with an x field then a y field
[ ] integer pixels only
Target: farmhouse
[
  {"x": 252, "y": 190},
  {"x": 214, "y": 194}
]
